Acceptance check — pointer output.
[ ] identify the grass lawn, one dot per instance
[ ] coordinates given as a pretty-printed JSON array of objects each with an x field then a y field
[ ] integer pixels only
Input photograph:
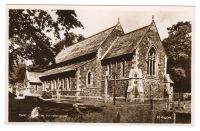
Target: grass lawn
[{"x": 91, "y": 112}]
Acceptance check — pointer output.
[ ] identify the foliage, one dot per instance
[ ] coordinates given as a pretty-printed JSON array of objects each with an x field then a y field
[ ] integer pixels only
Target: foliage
[
  {"x": 178, "y": 48},
  {"x": 70, "y": 39},
  {"x": 31, "y": 33},
  {"x": 29, "y": 30},
  {"x": 46, "y": 95},
  {"x": 18, "y": 74}
]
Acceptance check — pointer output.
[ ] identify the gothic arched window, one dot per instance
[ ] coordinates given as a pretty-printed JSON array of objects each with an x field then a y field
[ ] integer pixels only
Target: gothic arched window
[
  {"x": 89, "y": 79},
  {"x": 151, "y": 62}
]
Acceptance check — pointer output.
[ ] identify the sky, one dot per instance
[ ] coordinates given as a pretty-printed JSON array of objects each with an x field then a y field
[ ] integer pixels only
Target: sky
[{"x": 99, "y": 18}]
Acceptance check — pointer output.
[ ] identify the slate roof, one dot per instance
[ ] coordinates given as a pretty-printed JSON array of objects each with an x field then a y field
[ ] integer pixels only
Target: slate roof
[
  {"x": 127, "y": 43},
  {"x": 84, "y": 47},
  {"x": 33, "y": 77},
  {"x": 63, "y": 69}
]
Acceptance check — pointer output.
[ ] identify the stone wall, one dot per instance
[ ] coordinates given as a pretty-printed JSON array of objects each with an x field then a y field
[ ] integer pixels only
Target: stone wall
[
  {"x": 151, "y": 39},
  {"x": 91, "y": 92},
  {"x": 156, "y": 91},
  {"x": 121, "y": 81},
  {"x": 139, "y": 58},
  {"x": 116, "y": 66},
  {"x": 94, "y": 67},
  {"x": 120, "y": 88}
]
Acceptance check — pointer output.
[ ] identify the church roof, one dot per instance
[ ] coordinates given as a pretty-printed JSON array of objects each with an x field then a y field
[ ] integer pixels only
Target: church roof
[
  {"x": 127, "y": 43},
  {"x": 63, "y": 69},
  {"x": 87, "y": 46},
  {"x": 33, "y": 76}
]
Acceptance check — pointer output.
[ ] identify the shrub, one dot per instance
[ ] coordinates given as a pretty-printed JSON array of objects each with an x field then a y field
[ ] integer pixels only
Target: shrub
[{"x": 46, "y": 95}]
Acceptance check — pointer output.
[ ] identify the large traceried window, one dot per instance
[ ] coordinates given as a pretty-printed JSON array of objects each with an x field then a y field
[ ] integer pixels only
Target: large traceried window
[{"x": 151, "y": 63}]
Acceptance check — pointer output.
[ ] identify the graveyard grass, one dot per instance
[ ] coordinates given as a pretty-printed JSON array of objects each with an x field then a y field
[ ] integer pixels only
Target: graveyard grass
[{"x": 91, "y": 111}]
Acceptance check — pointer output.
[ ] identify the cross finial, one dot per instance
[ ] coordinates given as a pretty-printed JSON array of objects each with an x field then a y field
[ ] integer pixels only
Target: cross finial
[
  {"x": 152, "y": 17},
  {"x": 118, "y": 19}
]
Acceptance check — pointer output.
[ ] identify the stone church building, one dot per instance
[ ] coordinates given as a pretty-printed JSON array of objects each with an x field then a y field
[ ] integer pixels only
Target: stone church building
[{"x": 131, "y": 66}]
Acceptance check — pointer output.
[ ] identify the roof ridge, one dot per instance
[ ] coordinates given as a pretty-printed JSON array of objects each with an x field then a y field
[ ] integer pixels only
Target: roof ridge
[
  {"x": 92, "y": 35},
  {"x": 136, "y": 30},
  {"x": 87, "y": 38},
  {"x": 143, "y": 31},
  {"x": 109, "y": 48},
  {"x": 114, "y": 27},
  {"x": 99, "y": 32}
]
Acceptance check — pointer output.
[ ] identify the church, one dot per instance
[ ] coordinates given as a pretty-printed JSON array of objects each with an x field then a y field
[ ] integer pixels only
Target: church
[{"x": 112, "y": 63}]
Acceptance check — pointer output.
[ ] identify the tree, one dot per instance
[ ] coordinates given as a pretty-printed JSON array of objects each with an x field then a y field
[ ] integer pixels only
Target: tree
[
  {"x": 29, "y": 37},
  {"x": 29, "y": 29},
  {"x": 29, "y": 32},
  {"x": 70, "y": 39},
  {"x": 178, "y": 48}
]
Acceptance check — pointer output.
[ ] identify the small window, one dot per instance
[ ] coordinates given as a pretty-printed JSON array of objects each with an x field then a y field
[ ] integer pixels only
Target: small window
[
  {"x": 89, "y": 78},
  {"x": 109, "y": 68}
]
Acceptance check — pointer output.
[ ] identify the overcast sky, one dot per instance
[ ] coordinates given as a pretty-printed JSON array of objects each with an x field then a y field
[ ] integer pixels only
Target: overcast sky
[{"x": 98, "y": 18}]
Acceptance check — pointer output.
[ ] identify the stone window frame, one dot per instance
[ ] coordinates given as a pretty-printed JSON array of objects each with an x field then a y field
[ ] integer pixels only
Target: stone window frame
[
  {"x": 154, "y": 60},
  {"x": 89, "y": 85},
  {"x": 123, "y": 68}
]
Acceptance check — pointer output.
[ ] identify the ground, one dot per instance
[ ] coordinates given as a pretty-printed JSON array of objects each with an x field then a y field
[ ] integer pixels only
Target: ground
[{"x": 93, "y": 111}]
